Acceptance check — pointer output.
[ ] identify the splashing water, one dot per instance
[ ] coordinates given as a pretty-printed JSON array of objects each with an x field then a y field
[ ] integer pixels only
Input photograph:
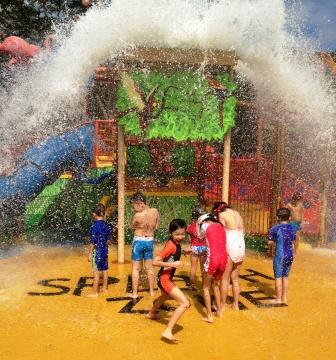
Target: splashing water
[{"x": 290, "y": 82}]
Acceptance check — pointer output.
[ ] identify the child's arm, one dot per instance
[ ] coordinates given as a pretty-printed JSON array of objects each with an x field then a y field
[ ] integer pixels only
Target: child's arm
[
  {"x": 91, "y": 247},
  {"x": 157, "y": 220},
  {"x": 158, "y": 261},
  {"x": 271, "y": 242},
  {"x": 270, "y": 247},
  {"x": 134, "y": 223}
]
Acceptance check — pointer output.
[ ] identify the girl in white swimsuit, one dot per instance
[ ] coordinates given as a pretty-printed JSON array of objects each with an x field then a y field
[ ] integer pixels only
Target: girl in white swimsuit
[{"x": 235, "y": 246}]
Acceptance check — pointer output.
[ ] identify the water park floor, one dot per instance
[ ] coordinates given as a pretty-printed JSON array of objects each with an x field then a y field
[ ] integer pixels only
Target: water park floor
[{"x": 45, "y": 312}]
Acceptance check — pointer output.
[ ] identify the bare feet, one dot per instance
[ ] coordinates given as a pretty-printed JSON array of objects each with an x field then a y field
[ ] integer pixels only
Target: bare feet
[
  {"x": 208, "y": 319},
  {"x": 133, "y": 296},
  {"x": 151, "y": 293},
  {"x": 219, "y": 314},
  {"x": 92, "y": 295},
  {"x": 284, "y": 301},
  {"x": 169, "y": 336},
  {"x": 105, "y": 291},
  {"x": 235, "y": 307},
  {"x": 152, "y": 315},
  {"x": 275, "y": 301}
]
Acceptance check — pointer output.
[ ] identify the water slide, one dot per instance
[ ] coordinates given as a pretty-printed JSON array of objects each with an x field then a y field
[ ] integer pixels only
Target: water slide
[{"x": 43, "y": 163}]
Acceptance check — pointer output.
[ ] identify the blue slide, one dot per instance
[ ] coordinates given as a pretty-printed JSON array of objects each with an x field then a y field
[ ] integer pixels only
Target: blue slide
[{"x": 43, "y": 163}]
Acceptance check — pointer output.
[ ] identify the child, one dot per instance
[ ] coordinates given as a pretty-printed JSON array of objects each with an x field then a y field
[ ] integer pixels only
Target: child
[
  {"x": 144, "y": 224},
  {"x": 283, "y": 235},
  {"x": 214, "y": 234},
  {"x": 235, "y": 246},
  {"x": 169, "y": 260},
  {"x": 98, "y": 249},
  {"x": 198, "y": 247}
]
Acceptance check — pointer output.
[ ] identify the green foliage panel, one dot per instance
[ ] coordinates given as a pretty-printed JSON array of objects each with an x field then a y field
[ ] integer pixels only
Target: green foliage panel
[
  {"x": 183, "y": 161},
  {"x": 183, "y": 107},
  {"x": 138, "y": 160}
]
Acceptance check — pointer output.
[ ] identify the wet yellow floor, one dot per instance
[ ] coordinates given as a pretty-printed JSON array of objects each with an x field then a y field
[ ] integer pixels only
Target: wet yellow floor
[{"x": 67, "y": 325}]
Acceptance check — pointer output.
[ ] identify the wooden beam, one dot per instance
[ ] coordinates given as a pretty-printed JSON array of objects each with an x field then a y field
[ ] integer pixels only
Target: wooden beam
[
  {"x": 172, "y": 57},
  {"x": 121, "y": 195},
  {"x": 325, "y": 187}
]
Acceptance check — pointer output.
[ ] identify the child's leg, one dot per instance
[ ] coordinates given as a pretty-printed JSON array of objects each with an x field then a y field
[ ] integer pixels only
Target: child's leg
[
  {"x": 150, "y": 274},
  {"x": 193, "y": 267},
  {"x": 135, "y": 278},
  {"x": 105, "y": 281},
  {"x": 157, "y": 304},
  {"x": 225, "y": 281},
  {"x": 202, "y": 260},
  {"x": 184, "y": 304},
  {"x": 215, "y": 286},
  {"x": 235, "y": 284},
  {"x": 207, "y": 297},
  {"x": 278, "y": 290},
  {"x": 95, "y": 286},
  {"x": 284, "y": 295}
]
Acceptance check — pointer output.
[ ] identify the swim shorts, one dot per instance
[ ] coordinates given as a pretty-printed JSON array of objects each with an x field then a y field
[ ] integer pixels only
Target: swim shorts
[
  {"x": 215, "y": 267},
  {"x": 165, "y": 284},
  {"x": 235, "y": 245},
  {"x": 99, "y": 262},
  {"x": 199, "y": 250},
  {"x": 282, "y": 266},
  {"x": 142, "y": 248}
]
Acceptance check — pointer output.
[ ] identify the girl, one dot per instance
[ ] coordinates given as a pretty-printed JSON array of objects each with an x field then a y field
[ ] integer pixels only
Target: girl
[
  {"x": 214, "y": 234},
  {"x": 198, "y": 248},
  {"x": 235, "y": 245},
  {"x": 169, "y": 260}
]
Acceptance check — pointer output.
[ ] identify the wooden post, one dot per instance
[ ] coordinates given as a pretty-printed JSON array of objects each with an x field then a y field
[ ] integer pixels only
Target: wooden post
[
  {"x": 226, "y": 167},
  {"x": 277, "y": 171},
  {"x": 260, "y": 137},
  {"x": 121, "y": 195},
  {"x": 326, "y": 177}
]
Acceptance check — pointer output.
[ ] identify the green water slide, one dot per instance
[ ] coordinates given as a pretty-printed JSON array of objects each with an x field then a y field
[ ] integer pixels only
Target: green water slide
[{"x": 38, "y": 208}]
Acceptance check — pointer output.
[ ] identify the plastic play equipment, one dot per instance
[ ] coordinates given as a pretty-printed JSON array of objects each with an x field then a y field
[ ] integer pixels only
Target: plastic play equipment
[
  {"x": 18, "y": 49},
  {"x": 43, "y": 163}
]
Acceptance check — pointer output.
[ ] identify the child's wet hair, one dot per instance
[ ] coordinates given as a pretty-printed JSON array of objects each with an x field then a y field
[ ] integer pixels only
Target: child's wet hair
[
  {"x": 283, "y": 214},
  {"x": 99, "y": 210},
  {"x": 297, "y": 196},
  {"x": 196, "y": 213},
  {"x": 177, "y": 224},
  {"x": 138, "y": 196}
]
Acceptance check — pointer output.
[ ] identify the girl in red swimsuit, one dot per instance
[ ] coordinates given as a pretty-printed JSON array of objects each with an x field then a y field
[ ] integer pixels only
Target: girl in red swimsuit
[
  {"x": 169, "y": 260},
  {"x": 215, "y": 237}
]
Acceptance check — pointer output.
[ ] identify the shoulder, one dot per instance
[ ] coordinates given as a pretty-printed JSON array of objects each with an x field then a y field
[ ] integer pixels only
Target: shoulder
[
  {"x": 169, "y": 249},
  {"x": 191, "y": 227}
]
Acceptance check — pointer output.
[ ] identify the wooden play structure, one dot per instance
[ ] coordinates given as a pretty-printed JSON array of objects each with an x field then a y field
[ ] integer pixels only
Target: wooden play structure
[{"x": 243, "y": 165}]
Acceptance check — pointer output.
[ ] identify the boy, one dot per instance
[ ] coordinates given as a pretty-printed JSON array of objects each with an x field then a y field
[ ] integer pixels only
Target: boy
[
  {"x": 144, "y": 223},
  {"x": 283, "y": 235},
  {"x": 169, "y": 260},
  {"x": 98, "y": 249}
]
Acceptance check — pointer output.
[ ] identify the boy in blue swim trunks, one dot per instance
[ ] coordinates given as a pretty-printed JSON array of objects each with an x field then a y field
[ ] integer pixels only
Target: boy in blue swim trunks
[
  {"x": 98, "y": 249},
  {"x": 144, "y": 223},
  {"x": 283, "y": 235}
]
